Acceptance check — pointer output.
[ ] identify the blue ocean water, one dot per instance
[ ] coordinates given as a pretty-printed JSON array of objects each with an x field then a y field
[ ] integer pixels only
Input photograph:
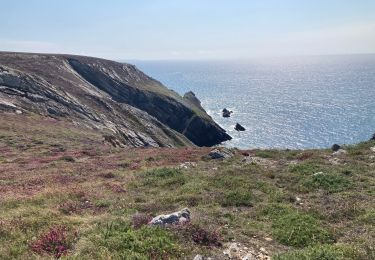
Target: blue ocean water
[{"x": 299, "y": 102}]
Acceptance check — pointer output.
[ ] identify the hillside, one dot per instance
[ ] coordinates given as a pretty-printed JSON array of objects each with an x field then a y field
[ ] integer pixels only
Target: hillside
[
  {"x": 64, "y": 192},
  {"x": 125, "y": 105}
]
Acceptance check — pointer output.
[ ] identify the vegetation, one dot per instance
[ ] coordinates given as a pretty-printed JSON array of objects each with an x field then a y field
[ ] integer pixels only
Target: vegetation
[{"x": 64, "y": 193}]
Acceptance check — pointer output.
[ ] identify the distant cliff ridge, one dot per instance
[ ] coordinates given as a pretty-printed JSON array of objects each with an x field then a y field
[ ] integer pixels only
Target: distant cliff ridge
[{"x": 130, "y": 108}]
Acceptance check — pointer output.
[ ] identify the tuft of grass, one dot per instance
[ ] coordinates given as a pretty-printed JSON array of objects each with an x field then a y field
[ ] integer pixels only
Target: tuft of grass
[
  {"x": 368, "y": 217},
  {"x": 163, "y": 177},
  {"x": 321, "y": 252},
  {"x": 306, "y": 168},
  {"x": 102, "y": 203},
  {"x": 237, "y": 198}
]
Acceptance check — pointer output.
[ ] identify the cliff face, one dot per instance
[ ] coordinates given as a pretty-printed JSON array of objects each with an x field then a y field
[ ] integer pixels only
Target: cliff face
[{"x": 129, "y": 107}]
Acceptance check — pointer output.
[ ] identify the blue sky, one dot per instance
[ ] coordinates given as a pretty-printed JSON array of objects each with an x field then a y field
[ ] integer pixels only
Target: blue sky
[{"x": 188, "y": 29}]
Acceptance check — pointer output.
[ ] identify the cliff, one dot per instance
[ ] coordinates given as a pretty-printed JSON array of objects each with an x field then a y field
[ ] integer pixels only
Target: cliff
[{"x": 127, "y": 106}]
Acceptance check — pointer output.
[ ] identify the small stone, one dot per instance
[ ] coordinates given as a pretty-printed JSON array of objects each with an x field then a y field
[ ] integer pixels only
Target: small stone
[
  {"x": 372, "y": 149},
  {"x": 268, "y": 239},
  {"x": 198, "y": 257}
]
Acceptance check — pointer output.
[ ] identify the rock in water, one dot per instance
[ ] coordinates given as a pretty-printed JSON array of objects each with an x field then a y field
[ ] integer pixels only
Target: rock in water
[
  {"x": 239, "y": 127},
  {"x": 178, "y": 217},
  {"x": 226, "y": 113}
]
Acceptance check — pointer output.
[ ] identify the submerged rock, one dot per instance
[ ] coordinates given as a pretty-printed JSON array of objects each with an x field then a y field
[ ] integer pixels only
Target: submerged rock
[{"x": 178, "y": 217}]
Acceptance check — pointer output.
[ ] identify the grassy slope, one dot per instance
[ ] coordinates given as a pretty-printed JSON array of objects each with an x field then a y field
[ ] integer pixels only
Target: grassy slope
[{"x": 54, "y": 174}]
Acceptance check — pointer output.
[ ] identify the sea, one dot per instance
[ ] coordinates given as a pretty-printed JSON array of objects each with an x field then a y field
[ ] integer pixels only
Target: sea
[{"x": 287, "y": 102}]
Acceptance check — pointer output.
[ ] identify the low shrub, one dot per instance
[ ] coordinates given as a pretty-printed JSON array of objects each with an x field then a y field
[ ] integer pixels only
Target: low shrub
[
  {"x": 304, "y": 168},
  {"x": 140, "y": 219},
  {"x": 199, "y": 235},
  {"x": 293, "y": 228},
  {"x": 299, "y": 230},
  {"x": 329, "y": 182},
  {"x": 57, "y": 242},
  {"x": 237, "y": 198},
  {"x": 123, "y": 241}
]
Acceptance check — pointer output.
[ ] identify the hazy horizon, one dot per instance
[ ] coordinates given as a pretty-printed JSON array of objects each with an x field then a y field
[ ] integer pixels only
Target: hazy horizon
[{"x": 189, "y": 30}]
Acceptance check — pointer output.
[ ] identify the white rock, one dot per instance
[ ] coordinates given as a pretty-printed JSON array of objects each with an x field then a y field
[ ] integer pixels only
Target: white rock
[
  {"x": 198, "y": 257},
  {"x": 178, "y": 217}
]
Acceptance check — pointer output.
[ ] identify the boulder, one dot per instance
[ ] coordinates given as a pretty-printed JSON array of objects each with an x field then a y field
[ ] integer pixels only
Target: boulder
[
  {"x": 222, "y": 153},
  {"x": 239, "y": 127},
  {"x": 179, "y": 217}
]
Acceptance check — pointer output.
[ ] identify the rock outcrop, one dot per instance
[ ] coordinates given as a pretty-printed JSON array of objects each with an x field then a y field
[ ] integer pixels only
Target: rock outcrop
[{"x": 114, "y": 98}]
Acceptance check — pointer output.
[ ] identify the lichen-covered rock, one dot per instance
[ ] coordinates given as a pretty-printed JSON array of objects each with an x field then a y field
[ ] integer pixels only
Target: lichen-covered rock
[
  {"x": 220, "y": 153},
  {"x": 179, "y": 217}
]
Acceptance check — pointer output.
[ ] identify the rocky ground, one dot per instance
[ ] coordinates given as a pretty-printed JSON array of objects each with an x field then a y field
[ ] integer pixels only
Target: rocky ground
[{"x": 66, "y": 192}]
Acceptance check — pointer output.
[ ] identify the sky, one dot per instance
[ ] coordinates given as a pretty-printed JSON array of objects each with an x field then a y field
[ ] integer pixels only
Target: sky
[{"x": 188, "y": 29}]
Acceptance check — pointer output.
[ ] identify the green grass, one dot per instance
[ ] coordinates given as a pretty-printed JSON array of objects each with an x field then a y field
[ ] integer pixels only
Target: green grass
[
  {"x": 98, "y": 193},
  {"x": 322, "y": 252},
  {"x": 293, "y": 228},
  {"x": 305, "y": 168},
  {"x": 121, "y": 241},
  {"x": 328, "y": 182}
]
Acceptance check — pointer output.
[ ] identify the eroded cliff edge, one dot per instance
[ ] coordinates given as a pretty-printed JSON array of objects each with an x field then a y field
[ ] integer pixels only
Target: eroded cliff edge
[{"x": 125, "y": 104}]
